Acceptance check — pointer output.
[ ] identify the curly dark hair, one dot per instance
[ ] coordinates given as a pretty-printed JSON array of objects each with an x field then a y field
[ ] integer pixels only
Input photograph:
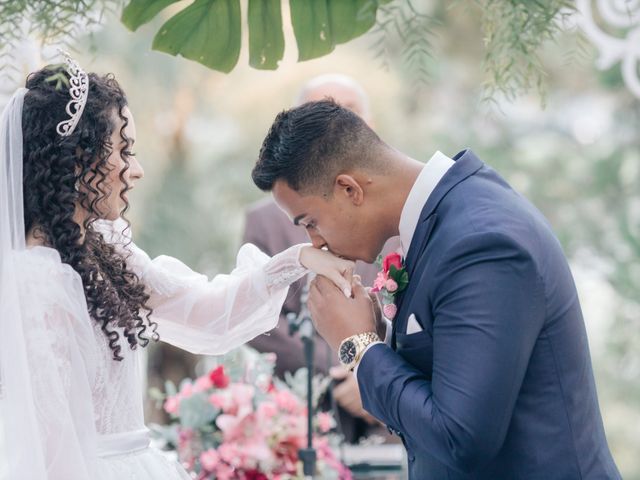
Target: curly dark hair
[{"x": 62, "y": 172}]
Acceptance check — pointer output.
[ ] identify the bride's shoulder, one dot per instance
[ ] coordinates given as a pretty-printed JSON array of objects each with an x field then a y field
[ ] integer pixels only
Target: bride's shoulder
[
  {"x": 40, "y": 270},
  {"x": 45, "y": 259}
]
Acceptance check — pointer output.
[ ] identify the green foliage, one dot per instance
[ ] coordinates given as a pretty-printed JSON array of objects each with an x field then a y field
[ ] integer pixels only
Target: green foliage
[
  {"x": 319, "y": 26},
  {"x": 514, "y": 32},
  {"x": 401, "y": 277},
  {"x": 266, "y": 39},
  {"x": 403, "y": 32},
  {"x": 51, "y": 21},
  {"x": 207, "y": 31},
  {"x": 137, "y": 13}
]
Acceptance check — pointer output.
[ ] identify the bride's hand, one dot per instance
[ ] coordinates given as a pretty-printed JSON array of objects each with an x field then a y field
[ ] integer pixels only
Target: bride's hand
[{"x": 322, "y": 262}]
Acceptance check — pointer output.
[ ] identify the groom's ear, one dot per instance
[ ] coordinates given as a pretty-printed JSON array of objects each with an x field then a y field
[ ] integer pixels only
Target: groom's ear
[{"x": 347, "y": 187}]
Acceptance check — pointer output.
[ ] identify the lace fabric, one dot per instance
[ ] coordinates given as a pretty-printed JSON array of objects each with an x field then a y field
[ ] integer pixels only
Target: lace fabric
[{"x": 211, "y": 316}]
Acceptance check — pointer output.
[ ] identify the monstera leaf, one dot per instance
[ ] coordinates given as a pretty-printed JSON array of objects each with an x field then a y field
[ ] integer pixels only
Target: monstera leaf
[
  {"x": 266, "y": 39},
  {"x": 209, "y": 31},
  {"x": 320, "y": 25}
]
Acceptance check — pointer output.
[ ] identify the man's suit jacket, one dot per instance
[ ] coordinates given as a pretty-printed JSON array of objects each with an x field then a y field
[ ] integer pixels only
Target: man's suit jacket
[{"x": 499, "y": 383}]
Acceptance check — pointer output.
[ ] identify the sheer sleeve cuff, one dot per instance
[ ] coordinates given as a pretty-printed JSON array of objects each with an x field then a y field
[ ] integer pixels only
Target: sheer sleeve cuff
[{"x": 285, "y": 268}]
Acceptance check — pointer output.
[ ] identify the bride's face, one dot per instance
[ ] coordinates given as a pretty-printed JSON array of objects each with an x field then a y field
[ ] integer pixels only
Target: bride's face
[{"x": 124, "y": 168}]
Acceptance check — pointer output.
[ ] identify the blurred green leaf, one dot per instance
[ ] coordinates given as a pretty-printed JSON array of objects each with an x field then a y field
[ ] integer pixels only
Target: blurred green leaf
[
  {"x": 139, "y": 12},
  {"x": 320, "y": 25},
  {"x": 266, "y": 39},
  {"x": 207, "y": 31},
  {"x": 170, "y": 388}
]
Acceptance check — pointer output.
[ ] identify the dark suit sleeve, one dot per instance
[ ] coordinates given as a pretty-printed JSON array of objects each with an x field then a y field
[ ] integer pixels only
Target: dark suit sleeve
[{"x": 488, "y": 308}]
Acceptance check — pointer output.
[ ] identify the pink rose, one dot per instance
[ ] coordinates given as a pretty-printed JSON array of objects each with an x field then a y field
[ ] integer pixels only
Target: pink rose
[
  {"x": 186, "y": 391},
  {"x": 287, "y": 401},
  {"x": 242, "y": 394},
  {"x": 325, "y": 422},
  {"x": 202, "y": 384},
  {"x": 267, "y": 410},
  {"x": 219, "y": 401},
  {"x": 230, "y": 453},
  {"x": 379, "y": 282},
  {"x": 390, "y": 310},
  {"x": 171, "y": 405},
  {"x": 209, "y": 460},
  {"x": 391, "y": 285},
  {"x": 225, "y": 472}
]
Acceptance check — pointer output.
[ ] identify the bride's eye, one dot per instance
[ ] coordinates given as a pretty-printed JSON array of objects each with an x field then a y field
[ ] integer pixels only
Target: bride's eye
[{"x": 127, "y": 153}]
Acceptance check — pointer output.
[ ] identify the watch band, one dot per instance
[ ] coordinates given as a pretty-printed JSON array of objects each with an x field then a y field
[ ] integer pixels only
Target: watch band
[{"x": 352, "y": 348}]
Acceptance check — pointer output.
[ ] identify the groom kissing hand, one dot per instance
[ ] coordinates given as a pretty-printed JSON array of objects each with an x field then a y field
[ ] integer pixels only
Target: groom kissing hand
[
  {"x": 337, "y": 317},
  {"x": 486, "y": 373}
]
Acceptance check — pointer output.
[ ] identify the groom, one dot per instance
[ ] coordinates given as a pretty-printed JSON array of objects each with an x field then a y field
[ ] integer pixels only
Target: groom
[{"x": 486, "y": 373}]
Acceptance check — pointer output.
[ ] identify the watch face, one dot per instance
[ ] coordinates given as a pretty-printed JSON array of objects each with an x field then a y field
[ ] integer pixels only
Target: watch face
[{"x": 347, "y": 352}]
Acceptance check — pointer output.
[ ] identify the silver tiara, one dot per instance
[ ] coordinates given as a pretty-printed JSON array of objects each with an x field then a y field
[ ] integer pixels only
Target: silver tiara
[{"x": 79, "y": 91}]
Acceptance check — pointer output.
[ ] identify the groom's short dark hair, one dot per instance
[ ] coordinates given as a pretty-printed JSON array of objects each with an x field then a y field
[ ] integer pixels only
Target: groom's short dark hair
[{"x": 309, "y": 145}]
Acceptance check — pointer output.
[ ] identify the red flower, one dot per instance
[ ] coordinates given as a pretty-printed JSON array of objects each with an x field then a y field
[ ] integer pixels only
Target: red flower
[
  {"x": 392, "y": 259},
  {"x": 255, "y": 475},
  {"x": 218, "y": 377}
]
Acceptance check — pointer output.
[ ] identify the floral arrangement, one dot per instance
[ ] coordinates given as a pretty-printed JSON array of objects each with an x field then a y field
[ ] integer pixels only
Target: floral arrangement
[
  {"x": 240, "y": 422},
  {"x": 391, "y": 280}
]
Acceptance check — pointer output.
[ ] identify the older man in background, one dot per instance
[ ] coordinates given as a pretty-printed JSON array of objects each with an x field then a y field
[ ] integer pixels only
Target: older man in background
[{"x": 272, "y": 231}]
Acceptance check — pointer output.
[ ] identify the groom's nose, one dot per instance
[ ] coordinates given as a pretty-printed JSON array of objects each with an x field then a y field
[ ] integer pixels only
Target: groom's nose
[{"x": 316, "y": 240}]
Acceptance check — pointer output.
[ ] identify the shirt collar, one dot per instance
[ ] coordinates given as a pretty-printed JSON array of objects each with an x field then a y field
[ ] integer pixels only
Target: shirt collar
[{"x": 425, "y": 184}]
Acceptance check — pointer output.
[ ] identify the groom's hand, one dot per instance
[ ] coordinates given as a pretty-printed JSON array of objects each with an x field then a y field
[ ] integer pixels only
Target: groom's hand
[{"x": 337, "y": 317}]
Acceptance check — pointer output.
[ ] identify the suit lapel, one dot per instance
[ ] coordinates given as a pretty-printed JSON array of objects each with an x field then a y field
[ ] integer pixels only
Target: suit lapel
[{"x": 467, "y": 163}]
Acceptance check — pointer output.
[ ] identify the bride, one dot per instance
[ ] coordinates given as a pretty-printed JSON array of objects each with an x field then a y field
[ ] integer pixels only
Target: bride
[{"x": 78, "y": 299}]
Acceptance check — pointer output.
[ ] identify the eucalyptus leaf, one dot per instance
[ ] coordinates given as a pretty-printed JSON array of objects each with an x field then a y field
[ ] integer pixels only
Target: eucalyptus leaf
[
  {"x": 207, "y": 31},
  {"x": 139, "y": 12},
  {"x": 156, "y": 394},
  {"x": 196, "y": 411},
  {"x": 60, "y": 80},
  {"x": 170, "y": 388},
  {"x": 266, "y": 39}
]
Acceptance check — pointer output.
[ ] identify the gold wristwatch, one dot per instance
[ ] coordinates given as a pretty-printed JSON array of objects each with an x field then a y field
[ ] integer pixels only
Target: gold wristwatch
[{"x": 352, "y": 348}]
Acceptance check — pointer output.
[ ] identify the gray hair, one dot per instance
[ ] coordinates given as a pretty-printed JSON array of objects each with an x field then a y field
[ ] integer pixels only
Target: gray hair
[{"x": 338, "y": 79}]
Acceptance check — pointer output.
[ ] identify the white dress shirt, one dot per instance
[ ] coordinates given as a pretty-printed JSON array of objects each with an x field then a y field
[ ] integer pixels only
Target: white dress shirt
[{"x": 431, "y": 174}]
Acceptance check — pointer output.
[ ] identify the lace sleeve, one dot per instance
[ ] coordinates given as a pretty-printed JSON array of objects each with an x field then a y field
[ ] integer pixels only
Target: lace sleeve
[
  {"x": 285, "y": 268},
  {"x": 213, "y": 316}
]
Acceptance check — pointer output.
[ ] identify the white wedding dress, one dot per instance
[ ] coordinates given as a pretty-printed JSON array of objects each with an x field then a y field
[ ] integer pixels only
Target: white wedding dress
[{"x": 82, "y": 416}]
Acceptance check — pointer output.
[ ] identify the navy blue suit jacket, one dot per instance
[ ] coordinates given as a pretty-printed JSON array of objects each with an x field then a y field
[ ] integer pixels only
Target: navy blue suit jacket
[{"x": 499, "y": 384}]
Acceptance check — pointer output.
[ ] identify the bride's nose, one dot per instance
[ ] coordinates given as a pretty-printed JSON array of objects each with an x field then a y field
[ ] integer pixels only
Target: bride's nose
[{"x": 136, "y": 172}]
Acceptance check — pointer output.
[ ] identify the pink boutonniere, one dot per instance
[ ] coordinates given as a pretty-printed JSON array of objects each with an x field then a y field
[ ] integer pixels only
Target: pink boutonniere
[{"x": 392, "y": 280}]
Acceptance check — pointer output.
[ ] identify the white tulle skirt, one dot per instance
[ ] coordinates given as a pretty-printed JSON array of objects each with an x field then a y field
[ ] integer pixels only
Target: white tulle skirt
[
  {"x": 145, "y": 464},
  {"x": 128, "y": 456}
]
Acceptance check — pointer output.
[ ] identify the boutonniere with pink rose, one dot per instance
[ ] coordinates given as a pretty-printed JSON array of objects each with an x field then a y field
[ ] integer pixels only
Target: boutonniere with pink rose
[{"x": 392, "y": 280}]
